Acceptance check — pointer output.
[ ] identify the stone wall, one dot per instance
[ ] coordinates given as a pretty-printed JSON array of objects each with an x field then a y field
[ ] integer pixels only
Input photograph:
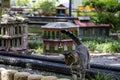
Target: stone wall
[{"x": 15, "y": 75}]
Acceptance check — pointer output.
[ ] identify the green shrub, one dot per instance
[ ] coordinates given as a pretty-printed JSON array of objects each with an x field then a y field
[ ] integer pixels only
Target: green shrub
[
  {"x": 93, "y": 44},
  {"x": 34, "y": 44},
  {"x": 102, "y": 44},
  {"x": 39, "y": 50},
  {"x": 101, "y": 76}
]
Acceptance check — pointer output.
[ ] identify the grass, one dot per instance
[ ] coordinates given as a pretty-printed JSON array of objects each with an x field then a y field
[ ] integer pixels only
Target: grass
[{"x": 102, "y": 44}]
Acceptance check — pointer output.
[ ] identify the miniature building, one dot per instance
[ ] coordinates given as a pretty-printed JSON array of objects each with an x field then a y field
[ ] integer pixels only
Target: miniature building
[
  {"x": 6, "y": 3},
  {"x": 89, "y": 29},
  {"x": 13, "y": 37},
  {"x": 61, "y": 10},
  {"x": 56, "y": 42}
]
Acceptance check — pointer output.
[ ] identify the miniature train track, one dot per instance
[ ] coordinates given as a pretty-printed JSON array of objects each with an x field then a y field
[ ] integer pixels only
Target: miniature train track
[{"x": 48, "y": 64}]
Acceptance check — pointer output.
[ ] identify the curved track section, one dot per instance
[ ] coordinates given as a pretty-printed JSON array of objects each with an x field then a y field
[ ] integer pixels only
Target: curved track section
[
  {"x": 34, "y": 57},
  {"x": 41, "y": 58},
  {"x": 35, "y": 64},
  {"x": 48, "y": 65}
]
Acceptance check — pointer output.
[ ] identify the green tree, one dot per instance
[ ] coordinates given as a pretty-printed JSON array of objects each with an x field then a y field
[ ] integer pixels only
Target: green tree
[
  {"x": 21, "y": 2},
  {"x": 107, "y": 12},
  {"x": 47, "y": 7}
]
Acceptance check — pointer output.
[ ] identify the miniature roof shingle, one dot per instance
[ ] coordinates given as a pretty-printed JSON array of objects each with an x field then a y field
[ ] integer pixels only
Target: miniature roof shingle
[{"x": 60, "y": 25}]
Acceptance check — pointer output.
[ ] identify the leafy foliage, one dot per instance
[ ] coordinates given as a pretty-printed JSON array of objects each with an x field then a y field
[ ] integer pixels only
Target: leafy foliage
[
  {"x": 108, "y": 12},
  {"x": 101, "y": 76},
  {"x": 93, "y": 44},
  {"x": 102, "y": 45},
  {"x": 47, "y": 7},
  {"x": 21, "y": 2},
  {"x": 34, "y": 44}
]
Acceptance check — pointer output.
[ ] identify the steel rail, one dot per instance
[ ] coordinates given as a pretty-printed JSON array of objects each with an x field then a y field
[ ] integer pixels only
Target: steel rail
[
  {"x": 41, "y": 65},
  {"x": 42, "y": 58}
]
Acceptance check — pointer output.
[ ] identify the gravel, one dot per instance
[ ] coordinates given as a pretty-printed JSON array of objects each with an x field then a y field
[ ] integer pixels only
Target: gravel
[{"x": 106, "y": 59}]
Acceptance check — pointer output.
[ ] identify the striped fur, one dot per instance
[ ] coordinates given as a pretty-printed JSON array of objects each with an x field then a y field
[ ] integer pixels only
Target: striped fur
[{"x": 78, "y": 59}]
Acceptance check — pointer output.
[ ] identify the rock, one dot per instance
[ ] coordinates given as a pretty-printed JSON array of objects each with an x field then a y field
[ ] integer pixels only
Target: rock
[
  {"x": 21, "y": 76},
  {"x": 63, "y": 79},
  {"x": 8, "y": 74},
  {"x": 34, "y": 77},
  {"x": 49, "y": 78}
]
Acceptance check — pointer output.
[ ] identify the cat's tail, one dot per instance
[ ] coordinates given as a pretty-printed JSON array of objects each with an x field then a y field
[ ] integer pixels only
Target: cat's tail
[{"x": 71, "y": 35}]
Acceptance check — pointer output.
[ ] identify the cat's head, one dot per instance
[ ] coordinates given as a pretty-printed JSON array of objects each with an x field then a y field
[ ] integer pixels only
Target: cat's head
[{"x": 70, "y": 57}]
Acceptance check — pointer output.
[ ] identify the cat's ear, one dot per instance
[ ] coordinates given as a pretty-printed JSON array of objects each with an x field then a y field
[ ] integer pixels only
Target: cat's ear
[{"x": 66, "y": 54}]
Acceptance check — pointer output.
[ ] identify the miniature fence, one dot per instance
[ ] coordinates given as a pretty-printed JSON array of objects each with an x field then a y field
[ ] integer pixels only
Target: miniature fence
[{"x": 15, "y": 75}]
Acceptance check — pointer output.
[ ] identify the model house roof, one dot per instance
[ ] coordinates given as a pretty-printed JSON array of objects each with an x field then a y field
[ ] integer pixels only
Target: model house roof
[{"x": 59, "y": 25}]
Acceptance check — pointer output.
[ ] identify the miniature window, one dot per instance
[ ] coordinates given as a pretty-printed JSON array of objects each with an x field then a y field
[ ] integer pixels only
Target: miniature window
[
  {"x": 4, "y": 31},
  {"x": 7, "y": 43},
  {"x": 56, "y": 47},
  {"x": 93, "y": 31},
  {"x": 11, "y": 43},
  {"x": 23, "y": 29},
  {"x": 45, "y": 34},
  {"x": 15, "y": 43},
  {"x": 65, "y": 47},
  {"x": 73, "y": 47},
  {"x": 16, "y": 30},
  {"x": 47, "y": 47},
  {"x": 20, "y": 31},
  {"x": 0, "y": 42},
  {"x": 57, "y": 34},
  {"x": 53, "y": 35},
  {"x": 20, "y": 41},
  {"x": 0, "y": 31},
  {"x": 4, "y": 43},
  {"x": 48, "y": 34}
]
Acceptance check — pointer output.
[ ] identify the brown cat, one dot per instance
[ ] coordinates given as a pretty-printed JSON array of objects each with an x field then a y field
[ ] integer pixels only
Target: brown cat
[{"x": 78, "y": 59}]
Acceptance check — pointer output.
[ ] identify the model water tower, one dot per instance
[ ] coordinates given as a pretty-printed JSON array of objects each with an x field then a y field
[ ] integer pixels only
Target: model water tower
[{"x": 56, "y": 42}]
